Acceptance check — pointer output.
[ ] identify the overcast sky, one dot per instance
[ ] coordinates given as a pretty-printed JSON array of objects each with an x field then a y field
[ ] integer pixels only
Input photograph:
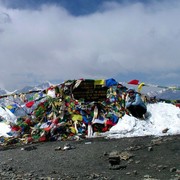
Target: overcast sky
[{"x": 71, "y": 39}]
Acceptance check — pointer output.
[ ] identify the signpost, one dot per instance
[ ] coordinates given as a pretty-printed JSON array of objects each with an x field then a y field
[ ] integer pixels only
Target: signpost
[{"x": 88, "y": 91}]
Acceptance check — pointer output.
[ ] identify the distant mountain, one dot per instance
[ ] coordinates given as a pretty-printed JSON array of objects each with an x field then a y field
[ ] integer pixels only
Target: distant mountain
[
  {"x": 167, "y": 94},
  {"x": 42, "y": 86},
  {"x": 2, "y": 91},
  {"x": 8, "y": 101}
]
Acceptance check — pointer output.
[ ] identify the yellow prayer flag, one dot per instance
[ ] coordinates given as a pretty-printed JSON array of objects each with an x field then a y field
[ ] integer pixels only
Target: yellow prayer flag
[
  {"x": 77, "y": 117},
  {"x": 99, "y": 82},
  {"x": 9, "y": 107},
  {"x": 140, "y": 87}
]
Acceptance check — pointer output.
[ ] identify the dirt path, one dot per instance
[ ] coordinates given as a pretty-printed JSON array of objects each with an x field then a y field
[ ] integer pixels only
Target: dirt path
[{"x": 101, "y": 159}]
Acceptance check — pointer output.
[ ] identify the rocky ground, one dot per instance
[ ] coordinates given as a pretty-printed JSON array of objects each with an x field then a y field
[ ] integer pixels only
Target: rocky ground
[{"x": 146, "y": 158}]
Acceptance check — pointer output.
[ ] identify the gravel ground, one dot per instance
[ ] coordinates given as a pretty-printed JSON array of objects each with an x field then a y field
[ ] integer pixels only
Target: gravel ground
[{"x": 146, "y": 158}]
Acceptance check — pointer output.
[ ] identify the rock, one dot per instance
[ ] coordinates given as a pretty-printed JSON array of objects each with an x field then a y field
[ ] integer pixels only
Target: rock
[
  {"x": 161, "y": 167},
  {"x": 165, "y": 130},
  {"x": 137, "y": 162},
  {"x": 68, "y": 147},
  {"x": 157, "y": 141},
  {"x": 147, "y": 176},
  {"x": 130, "y": 161},
  {"x": 114, "y": 161},
  {"x": 118, "y": 167},
  {"x": 178, "y": 171},
  {"x": 29, "y": 148},
  {"x": 105, "y": 153},
  {"x": 134, "y": 148},
  {"x": 173, "y": 169},
  {"x": 58, "y": 148},
  {"x": 150, "y": 148},
  {"x": 114, "y": 158},
  {"x": 125, "y": 155}
]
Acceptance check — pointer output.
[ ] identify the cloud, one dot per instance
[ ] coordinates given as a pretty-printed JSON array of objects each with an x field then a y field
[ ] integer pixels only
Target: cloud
[{"x": 50, "y": 44}]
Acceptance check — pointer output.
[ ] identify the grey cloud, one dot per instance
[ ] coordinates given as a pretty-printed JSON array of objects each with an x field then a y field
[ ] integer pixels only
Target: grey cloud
[
  {"x": 4, "y": 18},
  {"x": 49, "y": 43}
]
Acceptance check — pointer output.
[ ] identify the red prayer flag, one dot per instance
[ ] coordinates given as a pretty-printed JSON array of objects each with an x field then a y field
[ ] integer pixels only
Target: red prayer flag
[
  {"x": 29, "y": 104},
  {"x": 134, "y": 82}
]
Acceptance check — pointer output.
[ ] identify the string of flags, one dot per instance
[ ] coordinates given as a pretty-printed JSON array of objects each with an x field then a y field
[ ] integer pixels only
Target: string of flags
[
  {"x": 107, "y": 82},
  {"x": 50, "y": 91},
  {"x": 140, "y": 85}
]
